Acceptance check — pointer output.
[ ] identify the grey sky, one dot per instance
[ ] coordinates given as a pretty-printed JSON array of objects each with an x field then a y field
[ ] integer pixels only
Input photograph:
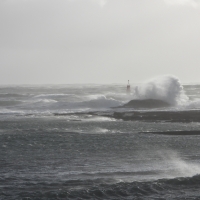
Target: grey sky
[{"x": 98, "y": 41}]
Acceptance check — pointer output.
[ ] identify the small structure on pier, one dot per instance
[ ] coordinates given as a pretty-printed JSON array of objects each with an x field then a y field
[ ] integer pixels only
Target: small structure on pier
[{"x": 128, "y": 88}]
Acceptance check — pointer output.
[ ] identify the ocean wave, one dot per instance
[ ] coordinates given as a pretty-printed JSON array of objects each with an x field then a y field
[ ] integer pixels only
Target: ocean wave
[
  {"x": 10, "y": 103},
  {"x": 97, "y": 103},
  {"x": 52, "y": 95},
  {"x": 45, "y": 101},
  {"x": 166, "y": 88},
  {"x": 194, "y": 104},
  {"x": 101, "y": 102},
  {"x": 10, "y": 111},
  {"x": 12, "y": 95},
  {"x": 177, "y": 188}
]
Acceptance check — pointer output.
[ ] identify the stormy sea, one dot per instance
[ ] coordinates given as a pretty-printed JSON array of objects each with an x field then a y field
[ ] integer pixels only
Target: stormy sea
[{"x": 100, "y": 142}]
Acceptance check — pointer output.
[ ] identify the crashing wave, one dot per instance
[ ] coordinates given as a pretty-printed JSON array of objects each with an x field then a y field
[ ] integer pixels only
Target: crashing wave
[{"x": 166, "y": 88}]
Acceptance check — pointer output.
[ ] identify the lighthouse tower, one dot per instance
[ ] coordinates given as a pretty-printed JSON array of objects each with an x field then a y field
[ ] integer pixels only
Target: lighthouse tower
[{"x": 128, "y": 89}]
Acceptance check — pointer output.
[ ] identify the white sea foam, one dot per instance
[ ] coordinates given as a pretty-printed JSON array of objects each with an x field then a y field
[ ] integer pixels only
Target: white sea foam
[
  {"x": 99, "y": 101},
  {"x": 51, "y": 95},
  {"x": 167, "y": 88},
  {"x": 98, "y": 119},
  {"x": 100, "y": 130},
  {"x": 47, "y": 101},
  {"x": 9, "y": 111},
  {"x": 194, "y": 104}
]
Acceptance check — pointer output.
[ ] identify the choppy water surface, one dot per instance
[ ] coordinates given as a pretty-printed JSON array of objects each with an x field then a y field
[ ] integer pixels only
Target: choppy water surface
[{"x": 49, "y": 151}]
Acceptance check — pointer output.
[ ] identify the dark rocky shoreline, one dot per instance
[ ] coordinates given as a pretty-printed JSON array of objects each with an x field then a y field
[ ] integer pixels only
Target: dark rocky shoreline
[
  {"x": 169, "y": 116},
  {"x": 146, "y": 116},
  {"x": 146, "y": 103}
]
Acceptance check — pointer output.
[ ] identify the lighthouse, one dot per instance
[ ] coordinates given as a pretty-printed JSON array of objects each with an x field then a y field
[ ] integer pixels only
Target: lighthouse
[{"x": 128, "y": 89}]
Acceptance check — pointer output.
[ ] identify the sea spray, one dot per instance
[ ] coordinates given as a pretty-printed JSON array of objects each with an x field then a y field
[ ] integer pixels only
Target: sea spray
[
  {"x": 175, "y": 165},
  {"x": 166, "y": 88}
]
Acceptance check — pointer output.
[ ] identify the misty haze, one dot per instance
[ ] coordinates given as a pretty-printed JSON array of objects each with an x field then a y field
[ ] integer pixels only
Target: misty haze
[{"x": 99, "y": 99}]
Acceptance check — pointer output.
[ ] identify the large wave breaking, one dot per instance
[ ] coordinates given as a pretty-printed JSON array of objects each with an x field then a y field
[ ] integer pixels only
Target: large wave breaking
[{"x": 166, "y": 88}]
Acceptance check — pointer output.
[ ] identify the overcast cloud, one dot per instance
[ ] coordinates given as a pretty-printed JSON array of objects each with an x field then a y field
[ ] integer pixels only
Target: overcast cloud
[
  {"x": 98, "y": 41},
  {"x": 193, "y": 3}
]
